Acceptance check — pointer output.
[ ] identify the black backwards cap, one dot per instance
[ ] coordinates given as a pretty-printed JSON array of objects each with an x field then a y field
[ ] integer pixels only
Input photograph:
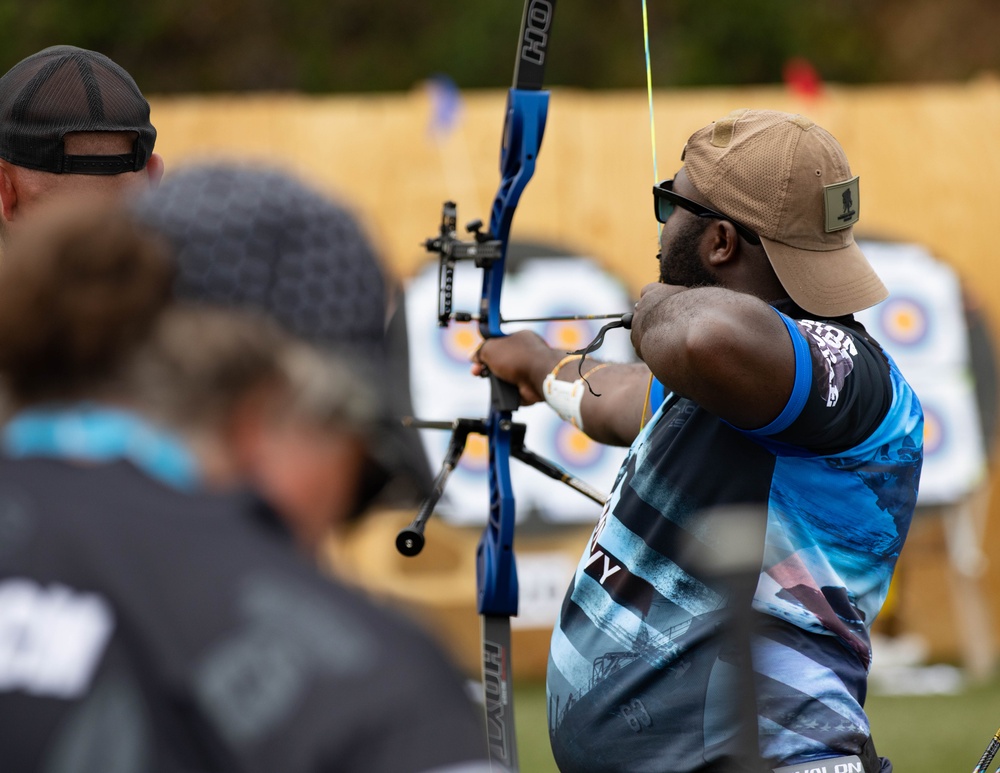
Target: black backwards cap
[
  {"x": 259, "y": 240},
  {"x": 64, "y": 89}
]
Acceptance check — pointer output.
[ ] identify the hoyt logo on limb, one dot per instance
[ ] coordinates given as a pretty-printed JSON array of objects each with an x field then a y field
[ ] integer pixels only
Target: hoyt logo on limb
[
  {"x": 496, "y": 700},
  {"x": 536, "y": 32}
]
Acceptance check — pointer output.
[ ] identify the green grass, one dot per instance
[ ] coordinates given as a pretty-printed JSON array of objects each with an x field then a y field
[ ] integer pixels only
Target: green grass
[
  {"x": 533, "y": 749},
  {"x": 936, "y": 733},
  {"x": 920, "y": 734}
]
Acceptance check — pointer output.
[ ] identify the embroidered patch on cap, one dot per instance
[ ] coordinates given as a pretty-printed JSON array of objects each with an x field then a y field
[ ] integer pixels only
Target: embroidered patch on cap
[{"x": 842, "y": 204}]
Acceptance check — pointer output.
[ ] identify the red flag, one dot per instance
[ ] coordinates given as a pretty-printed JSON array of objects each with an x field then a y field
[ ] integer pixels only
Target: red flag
[{"x": 801, "y": 78}]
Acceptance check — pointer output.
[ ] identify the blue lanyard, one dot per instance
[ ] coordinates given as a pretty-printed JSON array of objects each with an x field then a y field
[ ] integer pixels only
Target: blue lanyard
[{"x": 97, "y": 434}]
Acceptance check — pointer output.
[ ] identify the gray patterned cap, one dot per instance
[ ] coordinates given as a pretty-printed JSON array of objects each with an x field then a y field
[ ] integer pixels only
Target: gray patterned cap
[{"x": 261, "y": 240}]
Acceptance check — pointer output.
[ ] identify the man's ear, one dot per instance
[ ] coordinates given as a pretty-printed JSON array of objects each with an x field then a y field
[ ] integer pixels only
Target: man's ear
[
  {"x": 723, "y": 242},
  {"x": 8, "y": 192},
  {"x": 154, "y": 169}
]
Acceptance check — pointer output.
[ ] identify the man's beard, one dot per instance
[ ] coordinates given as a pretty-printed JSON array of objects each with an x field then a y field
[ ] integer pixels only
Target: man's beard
[{"x": 681, "y": 265}]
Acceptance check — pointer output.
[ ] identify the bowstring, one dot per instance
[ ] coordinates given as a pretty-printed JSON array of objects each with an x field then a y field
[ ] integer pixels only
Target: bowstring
[
  {"x": 656, "y": 173},
  {"x": 649, "y": 92},
  {"x": 599, "y": 339}
]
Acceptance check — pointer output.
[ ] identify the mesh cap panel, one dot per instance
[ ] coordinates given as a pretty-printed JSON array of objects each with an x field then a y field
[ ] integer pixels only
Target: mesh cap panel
[
  {"x": 788, "y": 180},
  {"x": 64, "y": 89}
]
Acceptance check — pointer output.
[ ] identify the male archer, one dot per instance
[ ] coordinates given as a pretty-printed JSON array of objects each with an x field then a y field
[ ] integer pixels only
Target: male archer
[{"x": 764, "y": 393}]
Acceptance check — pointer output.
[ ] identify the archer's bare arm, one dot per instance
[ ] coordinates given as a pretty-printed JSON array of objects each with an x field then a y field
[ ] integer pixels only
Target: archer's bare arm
[
  {"x": 524, "y": 359},
  {"x": 727, "y": 351}
]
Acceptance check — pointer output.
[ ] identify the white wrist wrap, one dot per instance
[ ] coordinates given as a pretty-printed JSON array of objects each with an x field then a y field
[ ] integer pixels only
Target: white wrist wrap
[{"x": 565, "y": 398}]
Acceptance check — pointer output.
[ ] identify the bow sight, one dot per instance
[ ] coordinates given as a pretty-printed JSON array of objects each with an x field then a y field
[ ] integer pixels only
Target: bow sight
[{"x": 482, "y": 249}]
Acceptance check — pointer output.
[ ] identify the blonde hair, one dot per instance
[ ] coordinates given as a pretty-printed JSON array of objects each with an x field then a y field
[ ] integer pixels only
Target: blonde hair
[{"x": 198, "y": 362}]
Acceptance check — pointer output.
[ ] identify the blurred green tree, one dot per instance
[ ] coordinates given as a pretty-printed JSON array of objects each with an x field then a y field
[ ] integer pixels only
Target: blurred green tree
[{"x": 174, "y": 46}]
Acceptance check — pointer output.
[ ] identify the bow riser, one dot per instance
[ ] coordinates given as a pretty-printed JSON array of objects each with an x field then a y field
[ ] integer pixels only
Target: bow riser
[{"x": 524, "y": 127}]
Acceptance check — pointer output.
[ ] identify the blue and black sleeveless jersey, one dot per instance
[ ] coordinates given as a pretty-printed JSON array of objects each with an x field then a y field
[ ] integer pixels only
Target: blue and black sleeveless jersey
[{"x": 644, "y": 670}]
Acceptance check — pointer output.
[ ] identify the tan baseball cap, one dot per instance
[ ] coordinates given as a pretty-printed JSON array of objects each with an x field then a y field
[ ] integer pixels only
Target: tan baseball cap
[{"x": 788, "y": 180}]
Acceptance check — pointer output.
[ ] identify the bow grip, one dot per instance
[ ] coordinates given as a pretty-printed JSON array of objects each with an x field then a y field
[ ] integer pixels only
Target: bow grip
[{"x": 504, "y": 396}]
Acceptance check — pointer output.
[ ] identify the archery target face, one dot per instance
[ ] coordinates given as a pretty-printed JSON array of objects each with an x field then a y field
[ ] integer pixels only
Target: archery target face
[
  {"x": 905, "y": 322},
  {"x": 935, "y": 432},
  {"x": 922, "y": 323},
  {"x": 569, "y": 336},
  {"x": 458, "y": 342},
  {"x": 575, "y": 448},
  {"x": 476, "y": 457},
  {"x": 922, "y": 327},
  {"x": 443, "y": 389},
  {"x": 954, "y": 457}
]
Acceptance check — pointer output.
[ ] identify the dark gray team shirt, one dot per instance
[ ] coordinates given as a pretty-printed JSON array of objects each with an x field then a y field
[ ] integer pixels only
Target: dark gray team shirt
[{"x": 145, "y": 629}]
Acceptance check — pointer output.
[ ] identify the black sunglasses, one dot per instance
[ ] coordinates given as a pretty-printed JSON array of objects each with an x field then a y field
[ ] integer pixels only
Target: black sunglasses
[{"x": 665, "y": 201}]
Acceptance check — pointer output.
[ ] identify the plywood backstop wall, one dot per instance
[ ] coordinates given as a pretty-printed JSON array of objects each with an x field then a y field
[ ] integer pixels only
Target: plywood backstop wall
[{"x": 928, "y": 158}]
